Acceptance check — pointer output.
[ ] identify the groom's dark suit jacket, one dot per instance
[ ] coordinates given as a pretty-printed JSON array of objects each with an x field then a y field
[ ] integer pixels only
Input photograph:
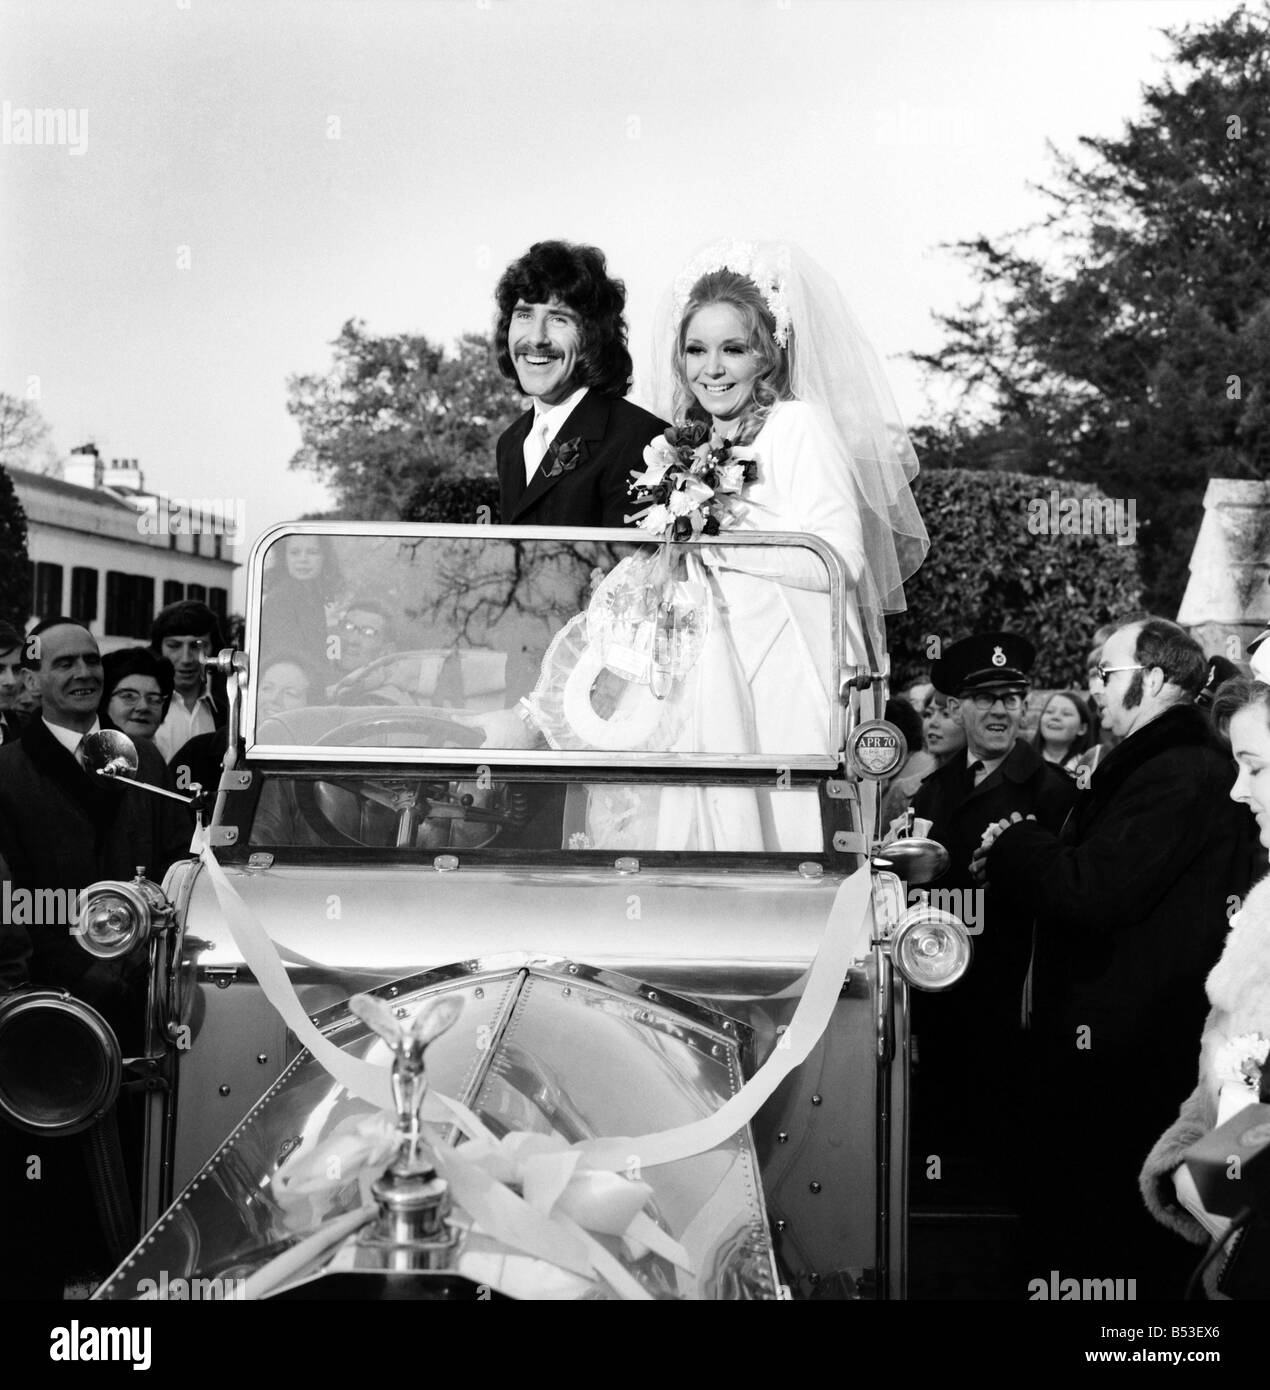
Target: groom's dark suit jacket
[{"x": 612, "y": 434}]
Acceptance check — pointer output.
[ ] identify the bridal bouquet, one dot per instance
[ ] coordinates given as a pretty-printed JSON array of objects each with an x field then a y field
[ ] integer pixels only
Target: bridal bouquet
[
  {"x": 1240, "y": 1061},
  {"x": 690, "y": 483}
]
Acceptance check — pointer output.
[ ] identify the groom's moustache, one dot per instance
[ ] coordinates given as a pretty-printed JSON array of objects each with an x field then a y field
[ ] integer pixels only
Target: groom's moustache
[{"x": 538, "y": 352}]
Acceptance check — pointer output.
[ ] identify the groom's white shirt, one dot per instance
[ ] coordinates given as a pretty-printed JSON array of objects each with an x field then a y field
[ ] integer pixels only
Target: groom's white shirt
[{"x": 547, "y": 423}]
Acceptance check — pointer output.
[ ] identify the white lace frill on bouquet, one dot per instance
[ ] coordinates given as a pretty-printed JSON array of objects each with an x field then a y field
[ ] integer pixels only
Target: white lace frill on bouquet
[{"x": 616, "y": 677}]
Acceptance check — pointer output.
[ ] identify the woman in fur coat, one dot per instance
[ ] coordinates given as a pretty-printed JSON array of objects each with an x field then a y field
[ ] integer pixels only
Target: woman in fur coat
[{"x": 1236, "y": 1037}]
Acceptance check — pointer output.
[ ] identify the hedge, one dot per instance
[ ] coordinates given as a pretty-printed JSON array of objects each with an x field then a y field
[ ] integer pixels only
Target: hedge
[{"x": 988, "y": 568}]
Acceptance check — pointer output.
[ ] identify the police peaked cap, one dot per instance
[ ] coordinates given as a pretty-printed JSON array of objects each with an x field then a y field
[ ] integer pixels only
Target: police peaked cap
[{"x": 986, "y": 661}]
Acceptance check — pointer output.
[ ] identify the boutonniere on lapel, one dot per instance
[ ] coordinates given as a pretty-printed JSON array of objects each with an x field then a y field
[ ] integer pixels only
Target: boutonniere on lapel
[{"x": 563, "y": 456}]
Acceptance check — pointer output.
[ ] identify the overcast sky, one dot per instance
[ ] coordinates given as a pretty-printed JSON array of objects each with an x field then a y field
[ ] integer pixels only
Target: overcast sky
[{"x": 338, "y": 158}]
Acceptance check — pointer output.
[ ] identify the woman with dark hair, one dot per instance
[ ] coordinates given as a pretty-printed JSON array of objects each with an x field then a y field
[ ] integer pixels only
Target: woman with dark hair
[
  {"x": 135, "y": 693},
  {"x": 1234, "y": 1056},
  {"x": 1064, "y": 730},
  {"x": 945, "y": 734}
]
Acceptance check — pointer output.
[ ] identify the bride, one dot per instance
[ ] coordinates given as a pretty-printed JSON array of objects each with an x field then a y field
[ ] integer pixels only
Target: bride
[{"x": 756, "y": 344}]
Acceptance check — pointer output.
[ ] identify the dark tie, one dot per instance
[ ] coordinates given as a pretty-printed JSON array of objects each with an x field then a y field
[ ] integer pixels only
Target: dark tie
[{"x": 972, "y": 774}]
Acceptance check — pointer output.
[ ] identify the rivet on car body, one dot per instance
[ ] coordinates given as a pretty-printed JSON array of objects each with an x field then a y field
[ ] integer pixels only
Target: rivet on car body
[
  {"x": 573, "y": 970},
  {"x": 652, "y": 996},
  {"x": 813, "y": 1278},
  {"x": 472, "y": 966},
  {"x": 445, "y": 863},
  {"x": 780, "y": 1223},
  {"x": 393, "y": 991},
  {"x": 813, "y": 1187},
  {"x": 816, "y": 1100},
  {"x": 782, "y": 1137},
  {"x": 566, "y": 991},
  {"x": 224, "y": 1090},
  {"x": 262, "y": 1058},
  {"x": 479, "y": 992},
  {"x": 400, "y": 1012}
]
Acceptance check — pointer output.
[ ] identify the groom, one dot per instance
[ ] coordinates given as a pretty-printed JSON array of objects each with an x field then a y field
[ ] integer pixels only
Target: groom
[{"x": 562, "y": 338}]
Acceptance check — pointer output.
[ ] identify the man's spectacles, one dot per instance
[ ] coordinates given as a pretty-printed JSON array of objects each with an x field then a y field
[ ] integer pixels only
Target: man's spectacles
[
  {"x": 350, "y": 628},
  {"x": 135, "y": 697},
  {"x": 1100, "y": 673},
  {"x": 1013, "y": 702}
]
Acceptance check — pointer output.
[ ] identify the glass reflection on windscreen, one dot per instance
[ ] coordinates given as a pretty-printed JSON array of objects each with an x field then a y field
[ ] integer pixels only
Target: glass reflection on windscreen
[{"x": 466, "y": 643}]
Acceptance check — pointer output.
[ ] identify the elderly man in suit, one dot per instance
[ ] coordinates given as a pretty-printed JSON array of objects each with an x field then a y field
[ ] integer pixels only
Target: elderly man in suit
[
  {"x": 562, "y": 339},
  {"x": 1131, "y": 901},
  {"x": 63, "y": 828}
]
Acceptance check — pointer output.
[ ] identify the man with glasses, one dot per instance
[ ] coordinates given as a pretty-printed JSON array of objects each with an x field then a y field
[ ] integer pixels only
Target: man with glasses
[
  {"x": 972, "y": 1033},
  {"x": 1131, "y": 901},
  {"x": 364, "y": 634}
]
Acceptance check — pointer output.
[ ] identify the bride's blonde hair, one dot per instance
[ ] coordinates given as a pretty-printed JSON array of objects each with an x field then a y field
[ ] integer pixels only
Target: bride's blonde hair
[{"x": 772, "y": 384}]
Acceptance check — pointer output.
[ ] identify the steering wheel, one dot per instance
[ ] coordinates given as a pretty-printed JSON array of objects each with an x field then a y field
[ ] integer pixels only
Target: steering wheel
[
  {"x": 429, "y": 814},
  {"x": 356, "y": 680},
  {"x": 415, "y": 728},
  {"x": 441, "y": 813}
]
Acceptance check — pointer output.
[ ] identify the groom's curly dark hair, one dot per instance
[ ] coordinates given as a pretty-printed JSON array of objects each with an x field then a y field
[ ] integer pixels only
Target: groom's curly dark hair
[{"x": 578, "y": 277}]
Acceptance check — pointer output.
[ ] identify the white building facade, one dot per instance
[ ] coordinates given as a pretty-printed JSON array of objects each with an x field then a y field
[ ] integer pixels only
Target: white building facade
[{"x": 108, "y": 554}]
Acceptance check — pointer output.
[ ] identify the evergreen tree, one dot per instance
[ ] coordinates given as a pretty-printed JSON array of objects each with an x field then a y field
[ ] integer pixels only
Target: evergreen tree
[
  {"x": 1138, "y": 357},
  {"x": 15, "y": 567}
]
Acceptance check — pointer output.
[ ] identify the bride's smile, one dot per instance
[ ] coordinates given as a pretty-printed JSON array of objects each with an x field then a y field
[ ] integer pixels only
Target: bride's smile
[{"x": 718, "y": 362}]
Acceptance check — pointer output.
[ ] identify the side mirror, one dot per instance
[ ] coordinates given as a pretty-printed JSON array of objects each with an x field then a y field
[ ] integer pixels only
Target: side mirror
[
  {"x": 916, "y": 861},
  {"x": 110, "y": 753}
]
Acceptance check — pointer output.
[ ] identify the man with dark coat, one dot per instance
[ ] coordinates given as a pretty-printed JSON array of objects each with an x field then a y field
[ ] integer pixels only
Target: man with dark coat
[
  {"x": 969, "y": 1039},
  {"x": 1132, "y": 904},
  {"x": 562, "y": 339},
  {"x": 64, "y": 828}
]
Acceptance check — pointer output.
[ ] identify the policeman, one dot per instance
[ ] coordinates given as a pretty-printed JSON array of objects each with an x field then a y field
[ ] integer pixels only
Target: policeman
[{"x": 969, "y": 1040}]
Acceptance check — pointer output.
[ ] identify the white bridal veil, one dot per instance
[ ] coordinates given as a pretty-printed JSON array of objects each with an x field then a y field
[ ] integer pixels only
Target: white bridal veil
[{"x": 833, "y": 367}]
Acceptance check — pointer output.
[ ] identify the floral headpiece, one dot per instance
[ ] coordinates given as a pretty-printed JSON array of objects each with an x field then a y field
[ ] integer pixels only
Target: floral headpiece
[{"x": 767, "y": 266}]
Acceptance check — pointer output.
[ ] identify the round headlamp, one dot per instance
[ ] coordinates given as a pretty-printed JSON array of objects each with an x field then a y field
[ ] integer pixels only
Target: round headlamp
[
  {"x": 114, "y": 916},
  {"x": 60, "y": 1065},
  {"x": 930, "y": 948}
]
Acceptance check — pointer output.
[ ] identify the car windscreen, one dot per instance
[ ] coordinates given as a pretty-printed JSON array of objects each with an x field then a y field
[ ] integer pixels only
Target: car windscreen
[
  {"x": 374, "y": 809},
  {"x": 483, "y": 645}
]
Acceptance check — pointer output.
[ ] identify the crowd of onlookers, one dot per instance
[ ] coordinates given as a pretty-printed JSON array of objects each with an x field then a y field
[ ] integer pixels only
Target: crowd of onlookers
[
  {"x": 1098, "y": 855},
  {"x": 1100, "y": 845}
]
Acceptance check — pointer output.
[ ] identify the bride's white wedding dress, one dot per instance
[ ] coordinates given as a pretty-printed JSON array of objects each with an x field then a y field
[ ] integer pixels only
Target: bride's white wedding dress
[{"x": 762, "y": 681}]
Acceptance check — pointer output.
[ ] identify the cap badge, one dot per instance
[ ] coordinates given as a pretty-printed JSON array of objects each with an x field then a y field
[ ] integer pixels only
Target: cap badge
[{"x": 998, "y": 657}]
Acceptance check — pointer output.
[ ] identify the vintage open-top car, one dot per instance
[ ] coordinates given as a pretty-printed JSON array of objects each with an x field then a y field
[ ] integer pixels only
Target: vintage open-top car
[{"x": 458, "y": 993}]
